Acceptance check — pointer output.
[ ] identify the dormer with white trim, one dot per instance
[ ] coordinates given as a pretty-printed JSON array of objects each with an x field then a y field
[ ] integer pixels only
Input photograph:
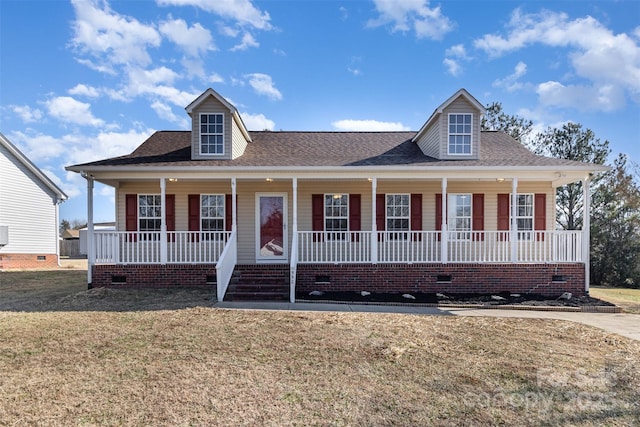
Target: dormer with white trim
[
  {"x": 217, "y": 130},
  {"x": 453, "y": 130}
]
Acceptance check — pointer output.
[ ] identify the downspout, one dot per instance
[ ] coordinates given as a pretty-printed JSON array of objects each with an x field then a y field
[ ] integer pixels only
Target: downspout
[{"x": 586, "y": 231}]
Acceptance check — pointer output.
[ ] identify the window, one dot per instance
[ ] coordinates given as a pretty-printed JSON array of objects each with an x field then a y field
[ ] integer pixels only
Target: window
[
  {"x": 211, "y": 133},
  {"x": 336, "y": 215},
  {"x": 212, "y": 212},
  {"x": 524, "y": 215},
  {"x": 460, "y": 216},
  {"x": 149, "y": 212},
  {"x": 398, "y": 215},
  {"x": 460, "y": 126}
]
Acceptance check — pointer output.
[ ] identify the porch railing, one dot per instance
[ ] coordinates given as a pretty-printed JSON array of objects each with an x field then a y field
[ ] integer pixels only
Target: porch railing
[
  {"x": 426, "y": 247},
  {"x": 226, "y": 264},
  {"x": 139, "y": 247}
]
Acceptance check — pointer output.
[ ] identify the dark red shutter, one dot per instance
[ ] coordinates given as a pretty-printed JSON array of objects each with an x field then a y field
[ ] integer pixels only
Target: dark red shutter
[
  {"x": 317, "y": 214},
  {"x": 131, "y": 215},
  {"x": 540, "y": 214},
  {"x": 228, "y": 212},
  {"x": 416, "y": 215},
  {"x": 170, "y": 214},
  {"x": 381, "y": 214},
  {"x": 194, "y": 214},
  {"x": 355, "y": 222},
  {"x": 503, "y": 214},
  {"x": 478, "y": 216},
  {"x": 439, "y": 214}
]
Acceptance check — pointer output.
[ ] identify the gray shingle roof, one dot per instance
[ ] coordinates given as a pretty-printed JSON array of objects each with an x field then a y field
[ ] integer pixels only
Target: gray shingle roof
[{"x": 328, "y": 149}]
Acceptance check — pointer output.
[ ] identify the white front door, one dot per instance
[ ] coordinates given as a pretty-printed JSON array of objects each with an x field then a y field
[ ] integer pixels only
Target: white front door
[{"x": 271, "y": 227}]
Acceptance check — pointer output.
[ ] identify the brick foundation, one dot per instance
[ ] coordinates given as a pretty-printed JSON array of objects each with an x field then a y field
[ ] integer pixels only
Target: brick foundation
[
  {"x": 465, "y": 278},
  {"x": 147, "y": 275},
  {"x": 20, "y": 261}
]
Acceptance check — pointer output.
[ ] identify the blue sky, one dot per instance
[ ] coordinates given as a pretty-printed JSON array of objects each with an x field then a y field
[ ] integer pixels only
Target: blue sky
[{"x": 86, "y": 80}]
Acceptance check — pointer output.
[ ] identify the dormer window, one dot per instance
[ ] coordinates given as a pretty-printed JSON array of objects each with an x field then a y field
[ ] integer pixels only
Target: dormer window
[
  {"x": 211, "y": 134},
  {"x": 460, "y": 127}
]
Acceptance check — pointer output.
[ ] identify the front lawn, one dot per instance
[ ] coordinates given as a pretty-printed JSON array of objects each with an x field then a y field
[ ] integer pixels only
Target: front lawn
[{"x": 628, "y": 299}]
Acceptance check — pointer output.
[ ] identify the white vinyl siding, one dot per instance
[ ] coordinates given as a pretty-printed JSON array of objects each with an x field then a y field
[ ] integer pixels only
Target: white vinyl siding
[
  {"x": 459, "y": 106},
  {"x": 27, "y": 207},
  {"x": 210, "y": 106}
]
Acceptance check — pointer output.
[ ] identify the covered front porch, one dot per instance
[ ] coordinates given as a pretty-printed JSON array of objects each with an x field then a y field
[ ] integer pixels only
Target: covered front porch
[{"x": 216, "y": 254}]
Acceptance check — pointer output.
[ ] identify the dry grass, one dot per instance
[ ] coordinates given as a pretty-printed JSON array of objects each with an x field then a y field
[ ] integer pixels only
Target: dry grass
[
  {"x": 628, "y": 299},
  {"x": 206, "y": 366}
]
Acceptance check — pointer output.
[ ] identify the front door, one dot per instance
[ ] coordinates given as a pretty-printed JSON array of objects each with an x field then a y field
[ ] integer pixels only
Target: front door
[{"x": 271, "y": 227}]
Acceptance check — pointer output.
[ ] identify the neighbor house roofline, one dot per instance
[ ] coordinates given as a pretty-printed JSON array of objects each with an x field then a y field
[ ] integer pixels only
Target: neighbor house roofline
[{"x": 61, "y": 196}]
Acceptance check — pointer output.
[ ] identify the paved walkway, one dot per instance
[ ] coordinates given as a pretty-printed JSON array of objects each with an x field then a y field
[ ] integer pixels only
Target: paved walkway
[{"x": 627, "y": 325}]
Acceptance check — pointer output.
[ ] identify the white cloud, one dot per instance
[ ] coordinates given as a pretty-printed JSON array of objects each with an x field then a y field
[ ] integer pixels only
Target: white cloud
[
  {"x": 581, "y": 97},
  {"x": 215, "y": 78},
  {"x": 257, "y": 122},
  {"x": 263, "y": 85},
  {"x": 26, "y": 113},
  {"x": 242, "y": 11},
  {"x": 36, "y": 146},
  {"x": 110, "y": 37},
  {"x": 194, "y": 40},
  {"x": 453, "y": 66},
  {"x": 412, "y": 15},
  {"x": 511, "y": 82},
  {"x": 69, "y": 110},
  {"x": 349, "y": 125},
  {"x": 610, "y": 62},
  {"x": 166, "y": 113},
  {"x": 84, "y": 90},
  {"x": 247, "y": 42},
  {"x": 457, "y": 51}
]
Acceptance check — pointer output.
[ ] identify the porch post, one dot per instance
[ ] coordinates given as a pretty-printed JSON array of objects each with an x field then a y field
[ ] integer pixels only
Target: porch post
[
  {"x": 444, "y": 238},
  {"x": 374, "y": 227},
  {"x": 163, "y": 222},
  {"x": 234, "y": 206},
  {"x": 294, "y": 183},
  {"x": 91, "y": 253},
  {"x": 514, "y": 220},
  {"x": 586, "y": 231}
]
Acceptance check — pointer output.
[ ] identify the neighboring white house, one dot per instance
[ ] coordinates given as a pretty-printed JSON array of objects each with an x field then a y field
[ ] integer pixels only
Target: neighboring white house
[{"x": 29, "y": 203}]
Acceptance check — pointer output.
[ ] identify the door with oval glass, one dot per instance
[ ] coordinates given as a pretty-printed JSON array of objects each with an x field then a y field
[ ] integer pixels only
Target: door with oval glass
[{"x": 271, "y": 227}]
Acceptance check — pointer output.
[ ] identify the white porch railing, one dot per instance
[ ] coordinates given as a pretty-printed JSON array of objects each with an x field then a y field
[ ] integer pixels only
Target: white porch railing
[
  {"x": 426, "y": 246},
  {"x": 138, "y": 247},
  {"x": 329, "y": 247},
  {"x": 226, "y": 264}
]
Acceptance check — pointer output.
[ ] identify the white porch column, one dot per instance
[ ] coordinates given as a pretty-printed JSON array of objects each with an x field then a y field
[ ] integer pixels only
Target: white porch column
[
  {"x": 294, "y": 184},
  {"x": 514, "y": 220},
  {"x": 586, "y": 231},
  {"x": 234, "y": 206},
  {"x": 163, "y": 222},
  {"x": 374, "y": 226},
  {"x": 91, "y": 252},
  {"x": 444, "y": 238}
]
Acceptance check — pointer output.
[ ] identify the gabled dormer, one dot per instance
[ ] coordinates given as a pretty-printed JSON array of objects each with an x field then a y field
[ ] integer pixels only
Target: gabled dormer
[
  {"x": 453, "y": 130},
  {"x": 217, "y": 130}
]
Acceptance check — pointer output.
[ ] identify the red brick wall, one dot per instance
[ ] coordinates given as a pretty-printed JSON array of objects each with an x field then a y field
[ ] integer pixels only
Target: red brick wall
[
  {"x": 153, "y": 275},
  {"x": 465, "y": 278},
  {"x": 13, "y": 261}
]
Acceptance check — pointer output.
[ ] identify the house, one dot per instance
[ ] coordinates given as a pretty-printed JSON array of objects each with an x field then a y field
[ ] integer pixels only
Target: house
[
  {"x": 29, "y": 203},
  {"x": 449, "y": 208}
]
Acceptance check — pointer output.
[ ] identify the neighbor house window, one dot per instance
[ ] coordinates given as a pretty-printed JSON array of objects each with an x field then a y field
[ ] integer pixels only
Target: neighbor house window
[
  {"x": 212, "y": 212},
  {"x": 460, "y": 216},
  {"x": 149, "y": 212},
  {"x": 524, "y": 214},
  {"x": 336, "y": 215},
  {"x": 460, "y": 126},
  {"x": 211, "y": 133},
  {"x": 398, "y": 214}
]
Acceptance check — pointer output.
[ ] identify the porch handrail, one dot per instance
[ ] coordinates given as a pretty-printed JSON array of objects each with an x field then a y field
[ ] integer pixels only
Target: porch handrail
[
  {"x": 293, "y": 267},
  {"x": 195, "y": 247},
  {"x": 409, "y": 246},
  {"x": 334, "y": 247},
  {"x": 226, "y": 264}
]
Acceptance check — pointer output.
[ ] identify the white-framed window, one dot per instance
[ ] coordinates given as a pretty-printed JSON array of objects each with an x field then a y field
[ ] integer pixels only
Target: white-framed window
[
  {"x": 398, "y": 215},
  {"x": 212, "y": 212},
  {"x": 149, "y": 212},
  {"x": 524, "y": 214},
  {"x": 459, "y": 220},
  {"x": 460, "y": 131},
  {"x": 212, "y": 133},
  {"x": 336, "y": 215}
]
